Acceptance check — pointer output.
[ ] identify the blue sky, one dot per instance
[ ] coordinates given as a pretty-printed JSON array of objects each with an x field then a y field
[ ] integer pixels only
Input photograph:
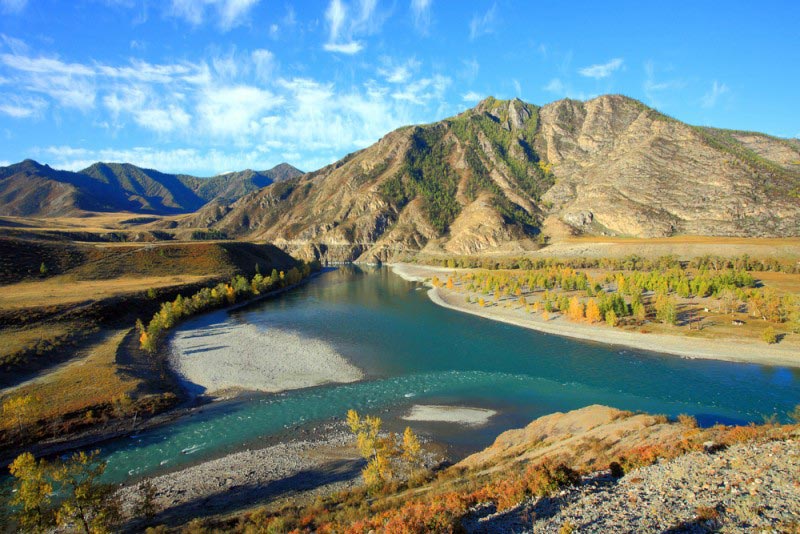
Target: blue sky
[{"x": 209, "y": 86}]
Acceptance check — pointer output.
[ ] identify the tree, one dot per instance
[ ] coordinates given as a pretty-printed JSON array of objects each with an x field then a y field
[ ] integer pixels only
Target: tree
[
  {"x": 593, "y": 312},
  {"x": 382, "y": 452},
  {"x": 20, "y": 409},
  {"x": 87, "y": 502},
  {"x": 611, "y": 318},
  {"x": 33, "y": 492},
  {"x": 575, "y": 311},
  {"x": 411, "y": 448},
  {"x": 43, "y": 270},
  {"x": 666, "y": 310}
]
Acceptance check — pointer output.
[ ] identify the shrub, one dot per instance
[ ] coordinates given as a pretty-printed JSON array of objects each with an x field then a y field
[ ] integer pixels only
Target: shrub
[{"x": 769, "y": 336}]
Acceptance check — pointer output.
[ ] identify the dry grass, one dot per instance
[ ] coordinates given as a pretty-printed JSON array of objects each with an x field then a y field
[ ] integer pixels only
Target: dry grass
[
  {"x": 90, "y": 380},
  {"x": 14, "y": 340},
  {"x": 91, "y": 222},
  {"x": 62, "y": 290}
]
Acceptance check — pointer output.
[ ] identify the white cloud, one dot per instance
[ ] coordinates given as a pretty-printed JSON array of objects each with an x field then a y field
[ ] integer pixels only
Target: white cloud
[
  {"x": 45, "y": 65},
  {"x": 472, "y": 96},
  {"x": 12, "y": 6},
  {"x": 483, "y": 24},
  {"x": 517, "y": 88},
  {"x": 179, "y": 160},
  {"x": 654, "y": 88},
  {"x": 353, "y": 47},
  {"x": 264, "y": 63},
  {"x": 555, "y": 86},
  {"x": 603, "y": 70},
  {"x": 163, "y": 120},
  {"x": 21, "y": 107},
  {"x": 344, "y": 28},
  {"x": 234, "y": 111},
  {"x": 401, "y": 73},
  {"x": 424, "y": 90},
  {"x": 421, "y": 11},
  {"x": 17, "y": 46},
  {"x": 228, "y": 13},
  {"x": 713, "y": 94}
]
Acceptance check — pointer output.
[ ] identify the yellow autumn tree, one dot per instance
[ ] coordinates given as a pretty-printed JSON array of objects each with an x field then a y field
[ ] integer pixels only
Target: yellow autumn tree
[
  {"x": 19, "y": 409},
  {"x": 575, "y": 311},
  {"x": 382, "y": 452},
  {"x": 593, "y": 312}
]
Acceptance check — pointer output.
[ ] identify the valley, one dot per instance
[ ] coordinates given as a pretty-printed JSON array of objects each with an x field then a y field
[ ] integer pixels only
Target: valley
[{"x": 541, "y": 259}]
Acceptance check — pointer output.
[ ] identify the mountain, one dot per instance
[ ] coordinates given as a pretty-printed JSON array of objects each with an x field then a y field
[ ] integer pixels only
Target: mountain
[
  {"x": 496, "y": 176},
  {"x": 31, "y": 189}
]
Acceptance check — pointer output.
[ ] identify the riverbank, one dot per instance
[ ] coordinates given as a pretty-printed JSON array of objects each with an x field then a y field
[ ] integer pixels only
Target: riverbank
[
  {"x": 733, "y": 350},
  {"x": 324, "y": 461}
]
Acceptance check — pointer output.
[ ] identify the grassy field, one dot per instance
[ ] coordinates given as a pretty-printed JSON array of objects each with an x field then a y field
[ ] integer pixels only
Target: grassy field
[{"x": 62, "y": 290}]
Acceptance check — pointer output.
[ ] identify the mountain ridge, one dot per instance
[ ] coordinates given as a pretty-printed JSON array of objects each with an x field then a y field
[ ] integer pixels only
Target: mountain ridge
[
  {"x": 500, "y": 175},
  {"x": 29, "y": 188}
]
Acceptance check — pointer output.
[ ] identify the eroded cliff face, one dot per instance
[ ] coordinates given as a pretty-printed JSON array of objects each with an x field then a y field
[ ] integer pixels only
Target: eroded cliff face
[
  {"x": 622, "y": 168},
  {"x": 485, "y": 181}
]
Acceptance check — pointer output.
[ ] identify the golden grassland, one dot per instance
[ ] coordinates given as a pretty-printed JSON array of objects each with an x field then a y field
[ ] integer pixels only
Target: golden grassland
[
  {"x": 17, "y": 339},
  {"x": 91, "y": 379},
  {"x": 60, "y": 290}
]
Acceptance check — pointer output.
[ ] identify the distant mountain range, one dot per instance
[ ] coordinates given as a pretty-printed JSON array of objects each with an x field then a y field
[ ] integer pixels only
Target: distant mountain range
[
  {"x": 496, "y": 176},
  {"x": 31, "y": 189}
]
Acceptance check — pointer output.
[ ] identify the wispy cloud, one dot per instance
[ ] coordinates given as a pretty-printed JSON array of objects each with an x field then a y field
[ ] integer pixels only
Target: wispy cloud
[
  {"x": 17, "y": 46},
  {"x": 653, "y": 88},
  {"x": 353, "y": 47},
  {"x": 717, "y": 90},
  {"x": 228, "y": 13},
  {"x": 343, "y": 28},
  {"x": 21, "y": 107},
  {"x": 12, "y": 6},
  {"x": 603, "y": 70},
  {"x": 421, "y": 11},
  {"x": 398, "y": 72},
  {"x": 483, "y": 24},
  {"x": 423, "y": 90},
  {"x": 237, "y": 99},
  {"x": 471, "y": 97},
  {"x": 554, "y": 86}
]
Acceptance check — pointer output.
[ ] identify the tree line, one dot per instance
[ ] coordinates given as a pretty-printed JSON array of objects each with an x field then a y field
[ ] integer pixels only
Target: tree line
[{"x": 239, "y": 289}]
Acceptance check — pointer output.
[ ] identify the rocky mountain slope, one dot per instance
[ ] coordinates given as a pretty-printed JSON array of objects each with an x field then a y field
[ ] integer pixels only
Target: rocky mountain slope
[
  {"x": 31, "y": 189},
  {"x": 495, "y": 176},
  {"x": 741, "y": 480}
]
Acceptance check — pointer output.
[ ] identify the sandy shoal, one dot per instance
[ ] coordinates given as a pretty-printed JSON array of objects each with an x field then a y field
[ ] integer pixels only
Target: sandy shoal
[
  {"x": 215, "y": 354},
  {"x": 449, "y": 414}
]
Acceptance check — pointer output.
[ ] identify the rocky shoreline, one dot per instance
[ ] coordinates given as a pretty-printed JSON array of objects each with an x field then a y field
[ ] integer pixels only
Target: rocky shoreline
[{"x": 324, "y": 462}]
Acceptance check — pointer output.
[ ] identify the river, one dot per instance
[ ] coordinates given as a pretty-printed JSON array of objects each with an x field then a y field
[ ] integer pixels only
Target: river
[{"x": 414, "y": 352}]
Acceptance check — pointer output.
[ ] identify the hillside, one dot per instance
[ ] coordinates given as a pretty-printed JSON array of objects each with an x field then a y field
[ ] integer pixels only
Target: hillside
[
  {"x": 594, "y": 469},
  {"x": 496, "y": 176},
  {"x": 31, "y": 189}
]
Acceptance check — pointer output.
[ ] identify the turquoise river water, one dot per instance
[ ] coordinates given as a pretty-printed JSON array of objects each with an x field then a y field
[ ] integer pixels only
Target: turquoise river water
[{"x": 414, "y": 352}]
